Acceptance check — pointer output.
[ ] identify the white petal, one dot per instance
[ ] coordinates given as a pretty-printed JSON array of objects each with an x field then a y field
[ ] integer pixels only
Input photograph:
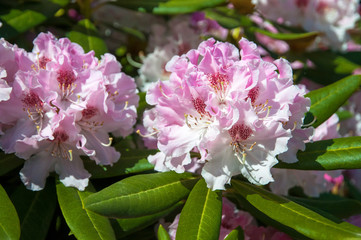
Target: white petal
[
  {"x": 36, "y": 170},
  {"x": 72, "y": 173}
]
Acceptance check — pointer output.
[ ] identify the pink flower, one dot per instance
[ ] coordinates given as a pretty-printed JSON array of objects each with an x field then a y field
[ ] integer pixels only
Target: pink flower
[
  {"x": 262, "y": 233},
  {"x": 234, "y": 112},
  {"x": 330, "y": 17},
  {"x": 65, "y": 103}
]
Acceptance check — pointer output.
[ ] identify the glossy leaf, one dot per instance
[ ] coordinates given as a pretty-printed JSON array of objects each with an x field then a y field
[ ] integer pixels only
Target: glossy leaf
[
  {"x": 201, "y": 215},
  {"x": 236, "y": 234},
  {"x": 327, "y": 100},
  {"x": 87, "y": 36},
  {"x": 9, "y": 162},
  {"x": 339, "y": 153},
  {"x": 141, "y": 195},
  {"x": 9, "y": 221},
  {"x": 131, "y": 161},
  {"x": 162, "y": 233},
  {"x": 295, "y": 216},
  {"x": 338, "y": 206},
  {"x": 329, "y": 66},
  {"x": 168, "y": 6},
  {"x": 28, "y": 15},
  {"x": 35, "y": 210},
  {"x": 82, "y": 223},
  {"x": 126, "y": 226}
]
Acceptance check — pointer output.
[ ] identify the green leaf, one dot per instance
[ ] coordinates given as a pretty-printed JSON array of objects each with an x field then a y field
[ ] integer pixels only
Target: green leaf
[
  {"x": 329, "y": 66},
  {"x": 87, "y": 36},
  {"x": 131, "y": 161},
  {"x": 201, "y": 215},
  {"x": 128, "y": 226},
  {"x": 236, "y": 234},
  {"x": 295, "y": 216},
  {"x": 327, "y": 100},
  {"x": 343, "y": 115},
  {"x": 9, "y": 162},
  {"x": 227, "y": 18},
  {"x": 9, "y": 221},
  {"x": 35, "y": 210},
  {"x": 168, "y": 6},
  {"x": 28, "y": 15},
  {"x": 242, "y": 203},
  {"x": 287, "y": 36},
  {"x": 162, "y": 233},
  {"x": 141, "y": 195},
  {"x": 82, "y": 223},
  {"x": 338, "y": 206},
  {"x": 338, "y": 153}
]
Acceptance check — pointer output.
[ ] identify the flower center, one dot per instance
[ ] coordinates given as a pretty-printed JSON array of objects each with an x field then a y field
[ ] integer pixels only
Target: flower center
[
  {"x": 66, "y": 79},
  {"x": 59, "y": 149},
  {"x": 219, "y": 82},
  {"x": 240, "y": 132},
  {"x": 89, "y": 112},
  {"x": 253, "y": 94},
  {"x": 43, "y": 61},
  {"x": 32, "y": 100},
  {"x": 199, "y": 105},
  {"x": 34, "y": 108}
]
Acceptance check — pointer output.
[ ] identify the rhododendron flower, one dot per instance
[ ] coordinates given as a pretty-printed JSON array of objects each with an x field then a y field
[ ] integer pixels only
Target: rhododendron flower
[
  {"x": 330, "y": 17},
  {"x": 234, "y": 112},
  {"x": 64, "y": 104}
]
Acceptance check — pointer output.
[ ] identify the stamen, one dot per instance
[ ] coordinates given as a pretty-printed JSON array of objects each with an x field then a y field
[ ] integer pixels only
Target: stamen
[
  {"x": 70, "y": 155},
  {"x": 161, "y": 90},
  {"x": 107, "y": 144},
  {"x": 294, "y": 126},
  {"x": 147, "y": 135},
  {"x": 268, "y": 111},
  {"x": 311, "y": 123},
  {"x": 132, "y": 62},
  {"x": 186, "y": 117}
]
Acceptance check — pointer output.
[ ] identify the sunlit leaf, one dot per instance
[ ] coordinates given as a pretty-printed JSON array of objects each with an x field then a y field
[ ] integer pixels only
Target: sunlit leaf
[
  {"x": 87, "y": 36},
  {"x": 82, "y": 223},
  {"x": 141, "y": 195},
  {"x": 327, "y": 100},
  {"x": 201, "y": 215},
  {"x": 168, "y": 6},
  {"x": 9, "y": 221},
  {"x": 293, "y": 215},
  {"x": 27, "y": 15},
  {"x": 339, "y": 153}
]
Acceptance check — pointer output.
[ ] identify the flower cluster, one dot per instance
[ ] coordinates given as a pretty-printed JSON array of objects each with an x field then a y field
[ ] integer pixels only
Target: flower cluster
[
  {"x": 237, "y": 113},
  {"x": 59, "y": 103},
  {"x": 332, "y": 18}
]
